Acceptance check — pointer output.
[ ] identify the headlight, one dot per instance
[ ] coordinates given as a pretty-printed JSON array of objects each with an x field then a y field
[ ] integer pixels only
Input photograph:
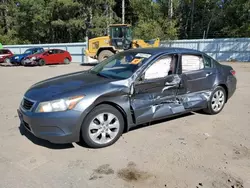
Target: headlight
[
  {"x": 59, "y": 105},
  {"x": 16, "y": 57},
  {"x": 33, "y": 58}
]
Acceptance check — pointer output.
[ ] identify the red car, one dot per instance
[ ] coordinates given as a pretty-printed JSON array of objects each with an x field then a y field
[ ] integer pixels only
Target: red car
[
  {"x": 5, "y": 55},
  {"x": 51, "y": 56}
]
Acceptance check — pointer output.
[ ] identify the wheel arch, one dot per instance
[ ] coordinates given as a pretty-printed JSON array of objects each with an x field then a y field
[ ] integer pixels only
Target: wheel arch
[
  {"x": 110, "y": 48},
  {"x": 119, "y": 108},
  {"x": 113, "y": 104},
  {"x": 224, "y": 86}
]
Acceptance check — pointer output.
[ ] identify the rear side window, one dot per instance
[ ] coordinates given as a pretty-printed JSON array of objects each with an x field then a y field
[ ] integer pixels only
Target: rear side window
[
  {"x": 208, "y": 62},
  {"x": 191, "y": 63}
]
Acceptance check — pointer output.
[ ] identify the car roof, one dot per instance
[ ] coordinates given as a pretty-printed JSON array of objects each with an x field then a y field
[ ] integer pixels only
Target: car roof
[
  {"x": 34, "y": 48},
  {"x": 159, "y": 50},
  {"x": 53, "y": 49}
]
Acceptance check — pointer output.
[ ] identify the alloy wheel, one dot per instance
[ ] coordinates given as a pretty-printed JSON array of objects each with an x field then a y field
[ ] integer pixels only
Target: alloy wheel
[
  {"x": 218, "y": 100},
  {"x": 104, "y": 128},
  {"x": 7, "y": 60}
]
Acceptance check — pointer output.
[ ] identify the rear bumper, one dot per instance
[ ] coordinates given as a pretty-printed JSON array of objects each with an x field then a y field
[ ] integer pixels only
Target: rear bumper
[
  {"x": 57, "y": 127},
  {"x": 231, "y": 85}
]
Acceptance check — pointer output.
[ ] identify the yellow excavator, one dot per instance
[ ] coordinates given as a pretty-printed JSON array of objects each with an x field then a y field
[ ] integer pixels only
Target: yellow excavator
[{"x": 119, "y": 39}]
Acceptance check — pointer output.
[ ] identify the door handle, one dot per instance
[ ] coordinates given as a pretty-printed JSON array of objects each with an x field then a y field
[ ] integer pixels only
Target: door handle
[{"x": 208, "y": 74}]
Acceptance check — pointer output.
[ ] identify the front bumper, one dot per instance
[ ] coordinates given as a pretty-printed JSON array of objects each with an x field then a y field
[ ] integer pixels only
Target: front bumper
[
  {"x": 15, "y": 61},
  {"x": 30, "y": 62},
  {"x": 56, "y": 127}
]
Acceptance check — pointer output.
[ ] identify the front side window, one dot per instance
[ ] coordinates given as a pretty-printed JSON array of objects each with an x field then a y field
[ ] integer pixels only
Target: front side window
[
  {"x": 121, "y": 65},
  {"x": 191, "y": 63},
  {"x": 128, "y": 33},
  {"x": 50, "y": 52},
  {"x": 160, "y": 69}
]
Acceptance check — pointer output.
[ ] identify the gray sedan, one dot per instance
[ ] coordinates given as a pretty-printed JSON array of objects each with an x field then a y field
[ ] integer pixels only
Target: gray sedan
[{"x": 130, "y": 88}]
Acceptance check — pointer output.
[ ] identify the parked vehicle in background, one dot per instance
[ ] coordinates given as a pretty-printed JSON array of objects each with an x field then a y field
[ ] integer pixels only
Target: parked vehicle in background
[
  {"x": 127, "y": 89},
  {"x": 51, "y": 56},
  {"x": 5, "y": 55},
  {"x": 18, "y": 59},
  {"x": 120, "y": 38}
]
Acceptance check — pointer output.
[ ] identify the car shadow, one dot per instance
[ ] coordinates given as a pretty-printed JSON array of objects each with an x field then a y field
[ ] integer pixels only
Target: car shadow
[
  {"x": 7, "y": 65},
  {"x": 88, "y": 64},
  {"x": 161, "y": 121},
  {"x": 201, "y": 112},
  {"x": 42, "y": 142}
]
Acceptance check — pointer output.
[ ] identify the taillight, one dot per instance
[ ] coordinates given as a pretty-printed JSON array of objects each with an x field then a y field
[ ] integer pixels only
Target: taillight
[{"x": 233, "y": 72}]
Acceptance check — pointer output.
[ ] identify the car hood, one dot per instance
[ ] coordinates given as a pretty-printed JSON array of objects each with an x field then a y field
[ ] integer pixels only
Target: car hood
[
  {"x": 20, "y": 55},
  {"x": 35, "y": 55},
  {"x": 65, "y": 86}
]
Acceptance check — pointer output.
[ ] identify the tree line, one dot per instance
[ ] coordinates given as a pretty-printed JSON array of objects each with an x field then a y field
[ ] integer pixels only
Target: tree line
[{"x": 54, "y": 21}]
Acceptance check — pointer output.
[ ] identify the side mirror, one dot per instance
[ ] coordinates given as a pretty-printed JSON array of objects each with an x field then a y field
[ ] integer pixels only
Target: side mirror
[{"x": 142, "y": 78}]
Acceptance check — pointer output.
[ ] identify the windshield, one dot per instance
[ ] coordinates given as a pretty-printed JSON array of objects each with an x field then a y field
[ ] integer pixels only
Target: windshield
[
  {"x": 121, "y": 65},
  {"x": 120, "y": 32},
  {"x": 38, "y": 51},
  {"x": 4, "y": 51},
  {"x": 28, "y": 52}
]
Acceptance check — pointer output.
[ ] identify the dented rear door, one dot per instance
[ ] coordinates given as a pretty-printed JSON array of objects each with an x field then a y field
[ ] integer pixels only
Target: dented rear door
[{"x": 197, "y": 79}]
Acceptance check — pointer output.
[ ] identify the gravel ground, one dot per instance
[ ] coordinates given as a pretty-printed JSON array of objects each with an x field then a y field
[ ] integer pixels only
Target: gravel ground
[{"x": 192, "y": 151}]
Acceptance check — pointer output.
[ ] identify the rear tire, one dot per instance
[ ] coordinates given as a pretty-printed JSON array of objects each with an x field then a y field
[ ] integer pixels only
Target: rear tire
[
  {"x": 217, "y": 101},
  {"x": 104, "y": 55},
  {"x": 7, "y": 60},
  {"x": 102, "y": 127},
  {"x": 66, "y": 61},
  {"x": 41, "y": 62}
]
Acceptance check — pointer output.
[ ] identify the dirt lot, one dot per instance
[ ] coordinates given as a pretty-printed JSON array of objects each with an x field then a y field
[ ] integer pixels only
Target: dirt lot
[{"x": 193, "y": 151}]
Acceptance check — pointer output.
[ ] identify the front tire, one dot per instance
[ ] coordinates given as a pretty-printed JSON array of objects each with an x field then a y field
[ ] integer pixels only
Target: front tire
[
  {"x": 102, "y": 127},
  {"x": 41, "y": 62},
  {"x": 217, "y": 101},
  {"x": 104, "y": 55},
  {"x": 21, "y": 63}
]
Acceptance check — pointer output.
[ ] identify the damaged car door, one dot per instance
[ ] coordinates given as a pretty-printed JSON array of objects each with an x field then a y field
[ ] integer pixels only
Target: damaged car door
[
  {"x": 197, "y": 78},
  {"x": 155, "y": 90}
]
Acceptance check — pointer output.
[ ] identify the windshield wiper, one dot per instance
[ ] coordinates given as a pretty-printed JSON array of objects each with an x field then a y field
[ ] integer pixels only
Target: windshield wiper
[
  {"x": 98, "y": 74},
  {"x": 102, "y": 75}
]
